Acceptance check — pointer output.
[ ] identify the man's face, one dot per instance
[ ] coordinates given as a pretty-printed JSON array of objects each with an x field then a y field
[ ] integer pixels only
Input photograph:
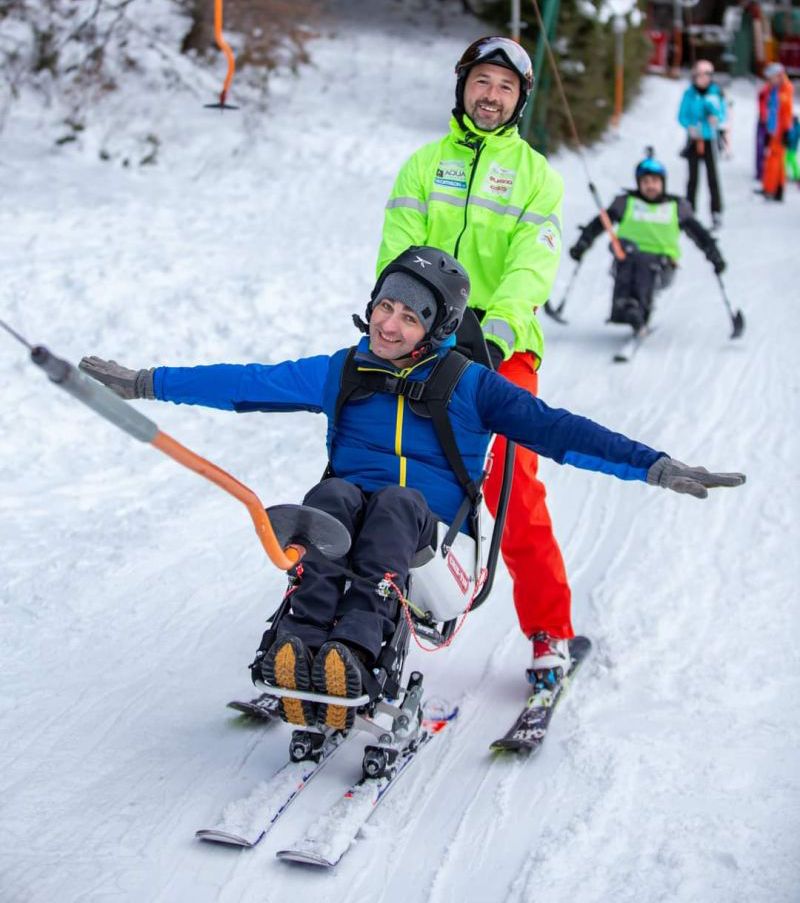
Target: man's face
[
  {"x": 651, "y": 186},
  {"x": 394, "y": 330},
  {"x": 490, "y": 95}
]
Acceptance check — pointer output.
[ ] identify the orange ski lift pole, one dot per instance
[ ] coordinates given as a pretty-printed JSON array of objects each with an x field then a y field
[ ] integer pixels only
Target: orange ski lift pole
[
  {"x": 225, "y": 48},
  {"x": 110, "y": 406},
  {"x": 616, "y": 247}
]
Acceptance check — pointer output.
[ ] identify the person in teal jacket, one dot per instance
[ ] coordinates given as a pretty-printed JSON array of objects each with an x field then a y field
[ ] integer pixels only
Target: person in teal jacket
[
  {"x": 650, "y": 223},
  {"x": 702, "y": 113}
]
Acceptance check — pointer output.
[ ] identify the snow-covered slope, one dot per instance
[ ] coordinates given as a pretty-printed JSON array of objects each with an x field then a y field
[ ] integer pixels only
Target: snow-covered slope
[{"x": 134, "y": 594}]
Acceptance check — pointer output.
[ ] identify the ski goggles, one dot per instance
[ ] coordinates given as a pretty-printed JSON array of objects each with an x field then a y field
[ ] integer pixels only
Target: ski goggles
[{"x": 482, "y": 51}]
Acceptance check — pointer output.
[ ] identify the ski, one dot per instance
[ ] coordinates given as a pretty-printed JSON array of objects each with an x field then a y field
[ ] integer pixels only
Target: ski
[
  {"x": 244, "y": 822},
  {"x": 629, "y": 349},
  {"x": 530, "y": 729},
  {"x": 264, "y": 706},
  {"x": 333, "y": 833}
]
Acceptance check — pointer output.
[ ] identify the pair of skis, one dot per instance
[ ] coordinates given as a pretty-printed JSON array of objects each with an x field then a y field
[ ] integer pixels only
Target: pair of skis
[{"x": 246, "y": 822}]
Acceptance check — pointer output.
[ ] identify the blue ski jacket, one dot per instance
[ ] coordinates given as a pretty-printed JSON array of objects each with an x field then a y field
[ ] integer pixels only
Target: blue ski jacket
[
  {"x": 696, "y": 108},
  {"x": 379, "y": 441}
]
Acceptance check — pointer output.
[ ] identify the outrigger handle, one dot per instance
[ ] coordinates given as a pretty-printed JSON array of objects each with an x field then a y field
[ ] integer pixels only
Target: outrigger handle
[{"x": 299, "y": 526}]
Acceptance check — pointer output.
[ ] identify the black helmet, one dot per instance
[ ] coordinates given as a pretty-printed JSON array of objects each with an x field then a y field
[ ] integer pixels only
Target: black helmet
[
  {"x": 446, "y": 279},
  {"x": 501, "y": 52}
]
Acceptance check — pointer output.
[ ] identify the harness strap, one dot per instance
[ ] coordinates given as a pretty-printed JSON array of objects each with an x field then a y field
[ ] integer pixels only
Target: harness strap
[
  {"x": 427, "y": 398},
  {"x": 438, "y": 390}
]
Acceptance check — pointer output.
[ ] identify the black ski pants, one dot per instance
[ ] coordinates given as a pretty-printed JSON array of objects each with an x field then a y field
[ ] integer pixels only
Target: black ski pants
[
  {"x": 387, "y": 527},
  {"x": 636, "y": 279},
  {"x": 710, "y": 159}
]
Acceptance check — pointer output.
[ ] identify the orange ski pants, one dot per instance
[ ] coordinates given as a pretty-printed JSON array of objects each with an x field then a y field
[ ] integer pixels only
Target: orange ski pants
[
  {"x": 774, "y": 165},
  {"x": 541, "y": 593}
]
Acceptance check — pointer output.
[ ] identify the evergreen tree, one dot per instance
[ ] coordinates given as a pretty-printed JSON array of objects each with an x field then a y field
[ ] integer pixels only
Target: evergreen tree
[{"x": 583, "y": 45}]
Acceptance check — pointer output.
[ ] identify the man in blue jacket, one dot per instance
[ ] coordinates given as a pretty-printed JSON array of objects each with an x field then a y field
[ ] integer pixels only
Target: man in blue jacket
[
  {"x": 391, "y": 476},
  {"x": 702, "y": 113}
]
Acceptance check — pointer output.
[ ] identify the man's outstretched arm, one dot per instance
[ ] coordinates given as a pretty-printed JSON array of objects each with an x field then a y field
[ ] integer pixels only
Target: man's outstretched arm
[
  {"x": 288, "y": 386},
  {"x": 571, "y": 439},
  {"x": 700, "y": 236},
  {"x": 592, "y": 229}
]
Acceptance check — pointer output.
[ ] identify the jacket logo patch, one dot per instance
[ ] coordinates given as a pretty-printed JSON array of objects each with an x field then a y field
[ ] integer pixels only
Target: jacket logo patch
[
  {"x": 458, "y": 572},
  {"x": 548, "y": 238},
  {"x": 499, "y": 181},
  {"x": 451, "y": 174}
]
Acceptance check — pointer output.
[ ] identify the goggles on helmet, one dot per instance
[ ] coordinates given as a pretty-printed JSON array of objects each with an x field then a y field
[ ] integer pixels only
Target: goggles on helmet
[{"x": 484, "y": 49}]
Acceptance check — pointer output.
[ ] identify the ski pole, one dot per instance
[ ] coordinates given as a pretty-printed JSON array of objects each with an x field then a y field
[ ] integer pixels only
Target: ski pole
[
  {"x": 555, "y": 312},
  {"x": 110, "y": 406},
  {"x": 737, "y": 318},
  {"x": 715, "y": 163}
]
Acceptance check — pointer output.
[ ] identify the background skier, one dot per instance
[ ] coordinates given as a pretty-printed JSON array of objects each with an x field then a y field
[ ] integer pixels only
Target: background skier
[
  {"x": 779, "y": 117},
  {"x": 702, "y": 112},
  {"x": 792, "y": 140},
  {"x": 761, "y": 129},
  {"x": 650, "y": 222},
  {"x": 391, "y": 478},
  {"x": 486, "y": 196}
]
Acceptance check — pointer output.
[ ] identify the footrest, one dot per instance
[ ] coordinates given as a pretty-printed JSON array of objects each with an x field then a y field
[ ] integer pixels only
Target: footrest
[{"x": 311, "y": 696}]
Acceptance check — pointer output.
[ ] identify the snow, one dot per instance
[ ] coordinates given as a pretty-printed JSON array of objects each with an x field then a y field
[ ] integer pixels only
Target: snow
[{"x": 134, "y": 594}]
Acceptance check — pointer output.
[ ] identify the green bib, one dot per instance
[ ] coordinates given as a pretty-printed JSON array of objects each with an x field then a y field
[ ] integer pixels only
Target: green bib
[{"x": 652, "y": 227}]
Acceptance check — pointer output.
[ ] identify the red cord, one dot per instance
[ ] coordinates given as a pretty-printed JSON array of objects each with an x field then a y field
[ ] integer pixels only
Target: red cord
[{"x": 404, "y": 602}]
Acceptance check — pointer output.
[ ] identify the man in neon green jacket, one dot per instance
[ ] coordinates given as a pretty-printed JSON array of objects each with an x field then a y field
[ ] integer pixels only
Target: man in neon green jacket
[{"x": 484, "y": 195}]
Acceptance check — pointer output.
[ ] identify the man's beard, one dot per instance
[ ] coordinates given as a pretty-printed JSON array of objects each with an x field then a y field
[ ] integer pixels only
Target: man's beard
[{"x": 480, "y": 119}]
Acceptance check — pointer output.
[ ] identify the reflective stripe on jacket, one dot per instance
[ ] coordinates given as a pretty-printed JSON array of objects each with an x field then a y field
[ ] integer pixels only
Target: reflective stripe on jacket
[
  {"x": 379, "y": 441},
  {"x": 495, "y": 204}
]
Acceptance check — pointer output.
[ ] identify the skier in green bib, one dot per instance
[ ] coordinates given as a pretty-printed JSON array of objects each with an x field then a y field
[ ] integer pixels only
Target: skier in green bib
[{"x": 650, "y": 222}]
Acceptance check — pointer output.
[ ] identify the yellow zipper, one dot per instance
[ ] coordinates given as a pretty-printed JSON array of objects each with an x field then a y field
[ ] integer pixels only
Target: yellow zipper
[
  {"x": 398, "y": 429},
  {"x": 398, "y": 438}
]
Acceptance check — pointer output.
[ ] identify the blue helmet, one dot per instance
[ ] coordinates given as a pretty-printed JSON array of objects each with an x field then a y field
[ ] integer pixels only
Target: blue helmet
[{"x": 651, "y": 166}]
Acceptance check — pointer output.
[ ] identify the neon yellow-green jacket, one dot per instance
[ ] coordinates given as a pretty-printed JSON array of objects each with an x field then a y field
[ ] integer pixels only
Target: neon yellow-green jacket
[{"x": 495, "y": 204}]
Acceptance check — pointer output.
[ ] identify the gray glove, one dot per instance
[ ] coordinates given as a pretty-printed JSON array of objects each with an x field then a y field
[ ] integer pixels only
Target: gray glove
[
  {"x": 126, "y": 383},
  {"x": 671, "y": 474}
]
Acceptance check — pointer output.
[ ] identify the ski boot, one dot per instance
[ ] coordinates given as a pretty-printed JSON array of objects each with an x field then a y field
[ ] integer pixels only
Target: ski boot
[{"x": 550, "y": 662}]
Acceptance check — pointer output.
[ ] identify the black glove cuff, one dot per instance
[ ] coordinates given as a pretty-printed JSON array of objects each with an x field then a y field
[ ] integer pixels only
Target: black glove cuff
[
  {"x": 495, "y": 354},
  {"x": 143, "y": 384}
]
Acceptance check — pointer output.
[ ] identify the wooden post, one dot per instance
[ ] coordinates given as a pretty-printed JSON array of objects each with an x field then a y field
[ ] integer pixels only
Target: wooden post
[
  {"x": 677, "y": 38},
  {"x": 620, "y": 27},
  {"x": 516, "y": 27}
]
